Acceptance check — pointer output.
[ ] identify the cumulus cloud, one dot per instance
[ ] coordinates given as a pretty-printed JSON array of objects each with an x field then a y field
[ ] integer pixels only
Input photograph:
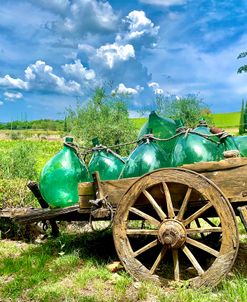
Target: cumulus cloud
[
  {"x": 12, "y": 96},
  {"x": 127, "y": 90},
  {"x": 86, "y": 16},
  {"x": 156, "y": 88},
  {"x": 9, "y": 82},
  {"x": 139, "y": 25},
  {"x": 164, "y": 2},
  {"x": 77, "y": 71},
  {"x": 1, "y": 103},
  {"x": 138, "y": 30},
  {"x": 40, "y": 76},
  {"x": 112, "y": 53}
]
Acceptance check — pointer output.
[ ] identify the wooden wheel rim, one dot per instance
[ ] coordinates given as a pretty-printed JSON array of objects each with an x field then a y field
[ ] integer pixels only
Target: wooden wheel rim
[{"x": 229, "y": 244}]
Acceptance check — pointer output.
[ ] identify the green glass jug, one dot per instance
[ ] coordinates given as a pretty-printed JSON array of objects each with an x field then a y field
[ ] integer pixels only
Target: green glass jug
[
  {"x": 148, "y": 156},
  {"x": 241, "y": 142},
  {"x": 191, "y": 147},
  {"x": 106, "y": 162},
  {"x": 60, "y": 177},
  {"x": 162, "y": 128}
]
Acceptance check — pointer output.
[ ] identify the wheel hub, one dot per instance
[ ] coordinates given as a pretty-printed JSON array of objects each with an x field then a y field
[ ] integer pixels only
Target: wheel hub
[{"x": 172, "y": 233}]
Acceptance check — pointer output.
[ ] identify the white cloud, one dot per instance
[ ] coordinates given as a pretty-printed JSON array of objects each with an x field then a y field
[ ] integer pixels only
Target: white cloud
[
  {"x": 164, "y": 2},
  {"x": 1, "y": 103},
  {"x": 78, "y": 71},
  {"x": 112, "y": 53},
  {"x": 9, "y": 82},
  {"x": 87, "y": 16},
  {"x": 140, "y": 25},
  {"x": 40, "y": 76},
  {"x": 12, "y": 96},
  {"x": 125, "y": 90},
  {"x": 156, "y": 87}
]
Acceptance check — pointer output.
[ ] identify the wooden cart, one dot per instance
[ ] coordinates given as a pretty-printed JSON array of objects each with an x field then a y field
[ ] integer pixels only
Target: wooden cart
[{"x": 170, "y": 225}]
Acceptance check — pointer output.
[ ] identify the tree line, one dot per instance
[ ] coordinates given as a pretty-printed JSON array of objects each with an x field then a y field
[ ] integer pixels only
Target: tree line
[{"x": 42, "y": 124}]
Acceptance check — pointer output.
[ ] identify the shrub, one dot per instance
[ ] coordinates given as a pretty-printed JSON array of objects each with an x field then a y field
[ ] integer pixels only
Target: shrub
[{"x": 14, "y": 192}]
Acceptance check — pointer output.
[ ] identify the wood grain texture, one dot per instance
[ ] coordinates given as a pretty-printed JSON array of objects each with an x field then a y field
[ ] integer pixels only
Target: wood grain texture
[{"x": 211, "y": 198}]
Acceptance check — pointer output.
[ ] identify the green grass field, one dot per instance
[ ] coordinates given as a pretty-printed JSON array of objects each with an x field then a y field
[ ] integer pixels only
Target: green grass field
[
  {"x": 228, "y": 121},
  {"x": 73, "y": 268}
]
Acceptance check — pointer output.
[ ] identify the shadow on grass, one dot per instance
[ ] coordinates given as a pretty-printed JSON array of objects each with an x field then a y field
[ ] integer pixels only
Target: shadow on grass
[{"x": 54, "y": 260}]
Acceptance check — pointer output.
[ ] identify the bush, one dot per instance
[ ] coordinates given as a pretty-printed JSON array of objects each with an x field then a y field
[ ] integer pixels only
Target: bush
[
  {"x": 190, "y": 109},
  {"x": 103, "y": 116},
  {"x": 20, "y": 162},
  {"x": 15, "y": 193}
]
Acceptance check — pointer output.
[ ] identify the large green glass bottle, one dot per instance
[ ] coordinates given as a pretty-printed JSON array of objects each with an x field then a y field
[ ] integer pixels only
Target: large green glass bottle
[
  {"x": 60, "y": 177},
  {"x": 162, "y": 128},
  {"x": 191, "y": 148},
  {"x": 241, "y": 142},
  {"x": 148, "y": 156},
  {"x": 108, "y": 164}
]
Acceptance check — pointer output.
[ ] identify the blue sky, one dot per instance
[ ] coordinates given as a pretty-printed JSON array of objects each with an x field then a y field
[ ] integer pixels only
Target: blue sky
[{"x": 54, "y": 52}]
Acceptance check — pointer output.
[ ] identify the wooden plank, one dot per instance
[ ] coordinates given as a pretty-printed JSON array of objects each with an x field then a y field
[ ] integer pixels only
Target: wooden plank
[
  {"x": 33, "y": 215},
  {"x": 225, "y": 164},
  {"x": 232, "y": 182},
  {"x": 115, "y": 189},
  {"x": 229, "y": 175}
]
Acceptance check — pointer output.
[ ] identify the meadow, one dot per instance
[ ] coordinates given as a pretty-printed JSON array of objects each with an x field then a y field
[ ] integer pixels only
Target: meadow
[
  {"x": 73, "y": 267},
  {"x": 228, "y": 121}
]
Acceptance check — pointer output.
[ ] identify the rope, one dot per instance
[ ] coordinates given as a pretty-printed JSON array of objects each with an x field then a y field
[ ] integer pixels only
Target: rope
[{"x": 148, "y": 137}]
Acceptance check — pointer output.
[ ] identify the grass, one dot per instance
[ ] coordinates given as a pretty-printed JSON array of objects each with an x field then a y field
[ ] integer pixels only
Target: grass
[
  {"x": 229, "y": 121},
  {"x": 73, "y": 268},
  {"x": 226, "y": 120}
]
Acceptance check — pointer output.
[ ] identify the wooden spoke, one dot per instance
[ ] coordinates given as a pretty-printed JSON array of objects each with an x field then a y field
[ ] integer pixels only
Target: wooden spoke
[
  {"x": 204, "y": 230},
  {"x": 197, "y": 214},
  {"x": 170, "y": 209},
  {"x": 209, "y": 222},
  {"x": 193, "y": 260},
  {"x": 176, "y": 264},
  {"x": 158, "y": 260},
  {"x": 202, "y": 246},
  {"x": 146, "y": 247},
  {"x": 149, "y": 218},
  {"x": 142, "y": 232},
  {"x": 157, "y": 208},
  {"x": 199, "y": 226},
  {"x": 184, "y": 204}
]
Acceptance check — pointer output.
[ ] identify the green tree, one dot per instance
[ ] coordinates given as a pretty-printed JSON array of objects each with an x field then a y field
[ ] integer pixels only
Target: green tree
[
  {"x": 189, "y": 108},
  {"x": 244, "y": 67},
  {"x": 104, "y": 116},
  {"x": 241, "y": 123}
]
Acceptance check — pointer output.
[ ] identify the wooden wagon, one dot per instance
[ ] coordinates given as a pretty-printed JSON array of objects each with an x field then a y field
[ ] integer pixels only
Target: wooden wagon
[{"x": 170, "y": 225}]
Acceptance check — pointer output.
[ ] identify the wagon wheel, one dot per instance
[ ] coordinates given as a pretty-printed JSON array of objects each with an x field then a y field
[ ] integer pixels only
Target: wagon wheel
[{"x": 181, "y": 209}]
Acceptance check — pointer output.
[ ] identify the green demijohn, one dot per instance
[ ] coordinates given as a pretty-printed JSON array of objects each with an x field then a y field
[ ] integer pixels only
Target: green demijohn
[
  {"x": 162, "y": 128},
  {"x": 148, "y": 156},
  {"x": 106, "y": 162},
  {"x": 192, "y": 147},
  {"x": 241, "y": 142},
  {"x": 60, "y": 177}
]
